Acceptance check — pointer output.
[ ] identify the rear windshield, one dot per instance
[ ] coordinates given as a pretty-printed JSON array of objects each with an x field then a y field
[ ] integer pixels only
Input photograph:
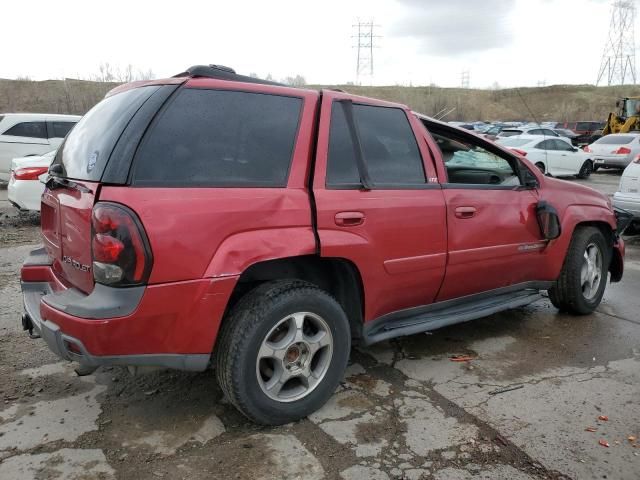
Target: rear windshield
[
  {"x": 514, "y": 142},
  {"x": 85, "y": 151},
  {"x": 510, "y": 133},
  {"x": 615, "y": 139}
]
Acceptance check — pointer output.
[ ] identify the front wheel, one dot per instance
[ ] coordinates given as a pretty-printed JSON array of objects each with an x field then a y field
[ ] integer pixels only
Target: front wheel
[
  {"x": 541, "y": 167},
  {"x": 586, "y": 169},
  {"x": 583, "y": 278},
  {"x": 282, "y": 351}
]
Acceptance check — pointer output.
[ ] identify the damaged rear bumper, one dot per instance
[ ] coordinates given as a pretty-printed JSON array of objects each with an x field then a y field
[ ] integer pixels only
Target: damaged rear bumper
[{"x": 140, "y": 326}]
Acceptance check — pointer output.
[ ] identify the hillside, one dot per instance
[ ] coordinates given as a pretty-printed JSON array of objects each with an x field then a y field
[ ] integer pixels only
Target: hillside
[{"x": 558, "y": 102}]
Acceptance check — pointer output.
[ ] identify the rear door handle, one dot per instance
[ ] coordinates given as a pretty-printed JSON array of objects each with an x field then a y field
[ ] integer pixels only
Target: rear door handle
[
  {"x": 465, "y": 212},
  {"x": 349, "y": 219}
]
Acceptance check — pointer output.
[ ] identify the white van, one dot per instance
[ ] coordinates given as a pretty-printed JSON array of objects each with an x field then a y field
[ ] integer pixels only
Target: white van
[{"x": 25, "y": 134}]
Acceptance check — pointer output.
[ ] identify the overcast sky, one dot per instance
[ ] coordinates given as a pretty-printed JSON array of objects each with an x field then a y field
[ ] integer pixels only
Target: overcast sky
[{"x": 511, "y": 42}]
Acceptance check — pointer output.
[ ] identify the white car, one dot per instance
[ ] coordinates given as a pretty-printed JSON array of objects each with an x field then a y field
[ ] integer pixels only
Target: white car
[
  {"x": 628, "y": 195},
  {"x": 531, "y": 131},
  {"x": 25, "y": 134},
  {"x": 553, "y": 156},
  {"x": 27, "y": 180}
]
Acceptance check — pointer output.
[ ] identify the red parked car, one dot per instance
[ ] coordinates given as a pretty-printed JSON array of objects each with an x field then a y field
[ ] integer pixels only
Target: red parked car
[{"x": 212, "y": 219}]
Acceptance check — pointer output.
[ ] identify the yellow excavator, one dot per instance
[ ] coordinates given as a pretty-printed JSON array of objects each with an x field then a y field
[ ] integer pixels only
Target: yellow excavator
[{"x": 626, "y": 119}]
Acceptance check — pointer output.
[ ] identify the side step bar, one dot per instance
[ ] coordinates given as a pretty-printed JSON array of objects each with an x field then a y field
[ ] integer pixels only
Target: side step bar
[{"x": 443, "y": 314}]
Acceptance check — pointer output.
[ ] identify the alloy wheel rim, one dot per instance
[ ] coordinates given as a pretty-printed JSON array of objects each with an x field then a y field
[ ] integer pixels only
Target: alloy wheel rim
[
  {"x": 591, "y": 271},
  {"x": 294, "y": 357}
]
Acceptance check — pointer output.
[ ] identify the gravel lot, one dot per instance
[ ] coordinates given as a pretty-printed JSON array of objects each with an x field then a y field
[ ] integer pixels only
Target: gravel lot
[{"x": 519, "y": 410}]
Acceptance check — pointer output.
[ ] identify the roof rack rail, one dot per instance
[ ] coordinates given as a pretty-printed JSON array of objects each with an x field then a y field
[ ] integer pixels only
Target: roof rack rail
[{"x": 222, "y": 72}]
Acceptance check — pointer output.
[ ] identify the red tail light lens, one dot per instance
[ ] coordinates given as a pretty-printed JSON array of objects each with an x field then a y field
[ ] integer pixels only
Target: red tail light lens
[
  {"x": 29, "y": 173},
  {"x": 120, "y": 248},
  {"x": 622, "y": 151},
  {"x": 587, "y": 149},
  {"x": 519, "y": 152}
]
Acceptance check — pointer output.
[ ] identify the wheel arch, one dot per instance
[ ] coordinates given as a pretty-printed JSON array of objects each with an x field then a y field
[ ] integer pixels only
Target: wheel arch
[
  {"x": 616, "y": 263},
  {"x": 337, "y": 276}
]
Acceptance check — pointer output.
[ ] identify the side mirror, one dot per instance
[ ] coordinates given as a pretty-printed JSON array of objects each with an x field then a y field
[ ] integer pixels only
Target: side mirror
[{"x": 548, "y": 220}]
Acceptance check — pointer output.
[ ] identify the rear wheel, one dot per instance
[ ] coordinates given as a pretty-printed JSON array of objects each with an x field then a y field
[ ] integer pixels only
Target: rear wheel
[
  {"x": 541, "y": 167},
  {"x": 583, "y": 278},
  {"x": 282, "y": 351},
  {"x": 586, "y": 169}
]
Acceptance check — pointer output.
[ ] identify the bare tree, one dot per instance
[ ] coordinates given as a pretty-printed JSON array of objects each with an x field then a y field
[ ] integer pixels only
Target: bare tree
[{"x": 297, "y": 81}]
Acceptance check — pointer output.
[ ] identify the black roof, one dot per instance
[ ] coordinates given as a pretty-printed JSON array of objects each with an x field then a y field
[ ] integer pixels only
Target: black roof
[{"x": 222, "y": 73}]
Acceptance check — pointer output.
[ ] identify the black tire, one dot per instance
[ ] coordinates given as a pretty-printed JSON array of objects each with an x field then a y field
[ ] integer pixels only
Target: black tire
[
  {"x": 568, "y": 294},
  {"x": 586, "y": 169},
  {"x": 248, "y": 325},
  {"x": 541, "y": 167}
]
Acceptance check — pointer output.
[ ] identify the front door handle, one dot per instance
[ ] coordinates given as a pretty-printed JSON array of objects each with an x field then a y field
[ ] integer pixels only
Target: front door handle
[
  {"x": 465, "y": 212},
  {"x": 349, "y": 219}
]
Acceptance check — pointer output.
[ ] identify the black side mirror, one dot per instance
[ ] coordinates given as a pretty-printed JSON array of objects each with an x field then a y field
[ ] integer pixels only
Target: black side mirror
[{"x": 548, "y": 220}]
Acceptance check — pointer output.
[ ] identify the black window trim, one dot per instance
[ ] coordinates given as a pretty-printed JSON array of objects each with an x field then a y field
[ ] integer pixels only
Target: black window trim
[
  {"x": 515, "y": 162},
  {"x": 368, "y": 184},
  {"x": 156, "y": 118}
]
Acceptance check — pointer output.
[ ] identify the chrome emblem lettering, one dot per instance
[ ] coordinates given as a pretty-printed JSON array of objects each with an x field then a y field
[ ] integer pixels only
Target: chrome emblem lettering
[{"x": 76, "y": 264}]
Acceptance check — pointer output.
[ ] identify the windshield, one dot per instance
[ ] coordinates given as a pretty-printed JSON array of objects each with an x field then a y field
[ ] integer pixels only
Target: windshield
[
  {"x": 86, "y": 149},
  {"x": 615, "y": 139}
]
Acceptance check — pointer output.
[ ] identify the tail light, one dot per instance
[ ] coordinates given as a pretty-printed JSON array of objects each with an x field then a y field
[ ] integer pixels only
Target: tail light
[
  {"x": 29, "y": 173},
  {"x": 522, "y": 153},
  {"x": 119, "y": 246},
  {"x": 622, "y": 151},
  {"x": 587, "y": 149}
]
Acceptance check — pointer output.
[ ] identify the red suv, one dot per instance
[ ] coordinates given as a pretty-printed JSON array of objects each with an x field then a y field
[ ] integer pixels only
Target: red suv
[{"x": 213, "y": 219}]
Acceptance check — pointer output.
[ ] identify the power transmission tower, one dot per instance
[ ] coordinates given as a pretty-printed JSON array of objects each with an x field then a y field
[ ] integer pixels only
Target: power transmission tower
[
  {"x": 365, "y": 43},
  {"x": 465, "y": 78},
  {"x": 618, "y": 64}
]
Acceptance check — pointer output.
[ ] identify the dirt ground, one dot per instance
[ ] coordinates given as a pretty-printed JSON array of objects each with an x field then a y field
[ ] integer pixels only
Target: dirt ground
[{"x": 523, "y": 408}]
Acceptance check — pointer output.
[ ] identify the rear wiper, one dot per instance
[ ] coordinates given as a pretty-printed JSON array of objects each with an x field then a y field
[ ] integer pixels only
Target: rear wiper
[{"x": 54, "y": 182}]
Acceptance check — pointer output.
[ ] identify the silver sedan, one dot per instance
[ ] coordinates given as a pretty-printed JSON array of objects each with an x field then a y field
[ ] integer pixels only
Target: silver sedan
[{"x": 614, "y": 151}]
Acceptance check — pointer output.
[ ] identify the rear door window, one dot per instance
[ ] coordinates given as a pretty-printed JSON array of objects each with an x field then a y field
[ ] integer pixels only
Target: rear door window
[
  {"x": 388, "y": 144},
  {"x": 28, "y": 129},
  {"x": 220, "y": 138},
  {"x": 562, "y": 146}
]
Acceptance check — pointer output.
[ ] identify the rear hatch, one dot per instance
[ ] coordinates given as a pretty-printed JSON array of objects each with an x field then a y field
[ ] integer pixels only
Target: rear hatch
[{"x": 74, "y": 183}]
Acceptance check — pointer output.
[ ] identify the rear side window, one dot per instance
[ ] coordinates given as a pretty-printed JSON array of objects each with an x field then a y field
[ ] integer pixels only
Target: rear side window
[
  {"x": 220, "y": 138},
  {"x": 28, "y": 129},
  {"x": 585, "y": 126},
  {"x": 85, "y": 151},
  {"x": 60, "y": 129},
  {"x": 389, "y": 148}
]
